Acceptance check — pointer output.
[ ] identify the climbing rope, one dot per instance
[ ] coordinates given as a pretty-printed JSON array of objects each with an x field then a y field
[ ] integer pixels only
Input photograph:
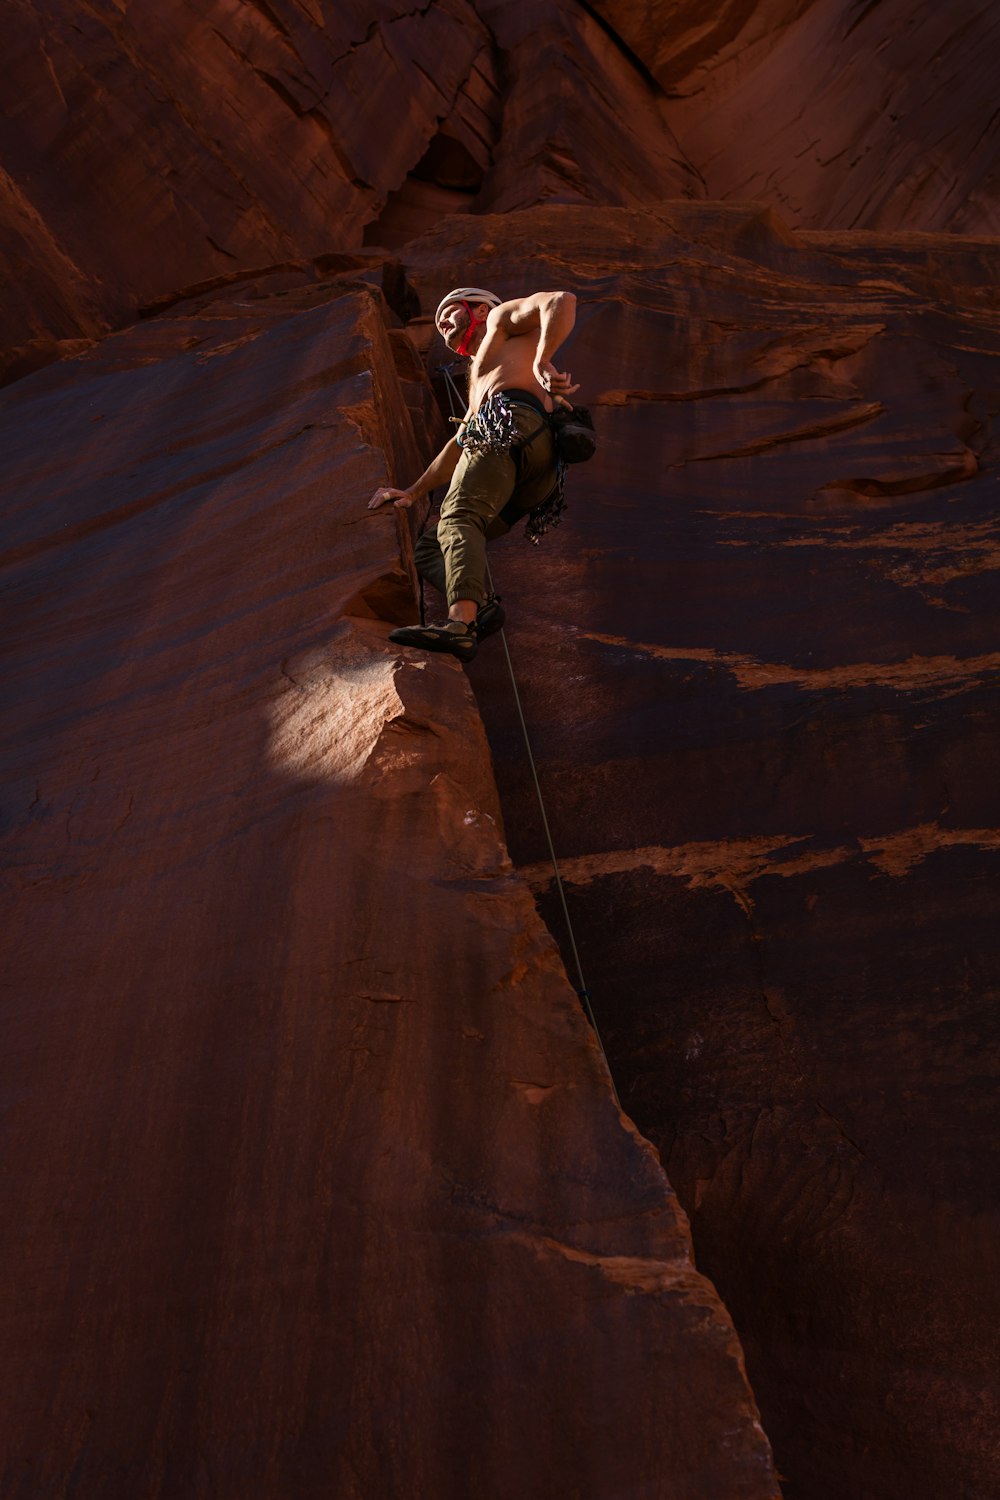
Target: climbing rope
[
  {"x": 453, "y": 392},
  {"x": 581, "y": 989}
]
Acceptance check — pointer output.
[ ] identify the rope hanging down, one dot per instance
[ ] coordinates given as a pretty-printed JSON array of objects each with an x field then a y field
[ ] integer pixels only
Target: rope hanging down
[{"x": 581, "y": 989}]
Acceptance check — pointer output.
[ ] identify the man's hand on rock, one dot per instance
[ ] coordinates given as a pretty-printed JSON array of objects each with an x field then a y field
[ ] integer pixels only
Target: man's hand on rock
[
  {"x": 401, "y": 498},
  {"x": 550, "y": 379}
]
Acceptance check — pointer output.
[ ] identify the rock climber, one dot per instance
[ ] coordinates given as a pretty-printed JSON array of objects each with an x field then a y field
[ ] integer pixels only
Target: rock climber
[{"x": 501, "y": 463}]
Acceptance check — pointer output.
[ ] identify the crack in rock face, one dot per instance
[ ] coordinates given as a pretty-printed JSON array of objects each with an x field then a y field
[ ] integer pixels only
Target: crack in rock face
[
  {"x": 762, "y": 707},
  {"x": 309, "y": 1038}
]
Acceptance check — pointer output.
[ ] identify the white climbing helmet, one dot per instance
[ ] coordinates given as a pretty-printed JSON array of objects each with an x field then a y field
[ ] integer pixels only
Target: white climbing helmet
[{"x": 470, "y": 294}]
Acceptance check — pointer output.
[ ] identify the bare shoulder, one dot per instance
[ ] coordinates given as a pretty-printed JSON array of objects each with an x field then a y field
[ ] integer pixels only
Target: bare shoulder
[{"x": 524, "y": 314}]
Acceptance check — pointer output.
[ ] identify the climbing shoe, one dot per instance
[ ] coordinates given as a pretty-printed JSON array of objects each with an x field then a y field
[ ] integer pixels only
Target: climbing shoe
[
  {"x": 451, "y": 636},
  {"x": 490, "y": 617}
]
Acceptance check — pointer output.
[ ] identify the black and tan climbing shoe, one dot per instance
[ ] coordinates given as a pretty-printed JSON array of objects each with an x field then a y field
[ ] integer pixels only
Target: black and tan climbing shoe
[
  {"x": 451, "y": 635},
  {"x": 490, "y": 617}
]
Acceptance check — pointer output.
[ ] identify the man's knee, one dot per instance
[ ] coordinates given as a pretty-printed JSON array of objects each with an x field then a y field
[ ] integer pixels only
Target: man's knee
[
  {"x": 428, "y": 559},
  {"x": 460, "y": 517}
]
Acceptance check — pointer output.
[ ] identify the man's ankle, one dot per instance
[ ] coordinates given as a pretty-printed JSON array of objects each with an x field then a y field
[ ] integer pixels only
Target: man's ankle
[{"x": 463, "y": 611}]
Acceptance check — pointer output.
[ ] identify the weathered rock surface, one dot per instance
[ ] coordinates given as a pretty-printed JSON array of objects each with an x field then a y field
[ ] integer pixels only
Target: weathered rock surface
[
  {"x": 148, "y": 148},
  {"x": 314, "y": 1183},
  {"x": 151, "y": 147},
  {"x": 759, "y": 661},
  {"x": 840, "y": 113}
]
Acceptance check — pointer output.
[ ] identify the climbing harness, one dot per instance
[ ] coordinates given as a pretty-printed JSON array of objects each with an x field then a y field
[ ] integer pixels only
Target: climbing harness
[{"x": 492, "y": 430}]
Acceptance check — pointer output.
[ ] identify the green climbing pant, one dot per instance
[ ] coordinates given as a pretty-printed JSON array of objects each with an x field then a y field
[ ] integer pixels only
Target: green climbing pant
[{"x": 452, "y": 554}]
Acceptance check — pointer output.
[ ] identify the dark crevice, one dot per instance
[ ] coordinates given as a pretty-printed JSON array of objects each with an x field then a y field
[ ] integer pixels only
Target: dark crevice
[
  {"x": 269, "y": 15},
  {"x": 283, "y": 92},
  {"x": 623, "y": 47},
  {"x": 221, "y": 249},
  {"x": 862, "y": 15}
]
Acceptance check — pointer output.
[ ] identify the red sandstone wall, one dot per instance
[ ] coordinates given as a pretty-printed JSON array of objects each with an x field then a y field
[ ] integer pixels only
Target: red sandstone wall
[
  {"x": 147, "y": 147},
  {"x": 759, "y": 663},
  {"x": 840, "y": 113},
  {"x": 314, "y": 1181},
  {"x": 301, "y": 1114}
]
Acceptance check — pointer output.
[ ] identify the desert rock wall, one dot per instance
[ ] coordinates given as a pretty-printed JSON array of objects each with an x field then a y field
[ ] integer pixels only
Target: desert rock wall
[
  {"x": 315, "y": 1180},
  {"x": 315, "y": 1183},
  {"x": 841, "y": 113},
  {"x": 146, "y": 148},
  {"x": 758, "y": 661},
  {"x": 158, "y": 145}
]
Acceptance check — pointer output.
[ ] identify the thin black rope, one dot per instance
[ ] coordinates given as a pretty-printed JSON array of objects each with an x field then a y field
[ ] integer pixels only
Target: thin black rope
[
  {"x": 581, "y": 989},
  {"x": 453, "y": 391}
]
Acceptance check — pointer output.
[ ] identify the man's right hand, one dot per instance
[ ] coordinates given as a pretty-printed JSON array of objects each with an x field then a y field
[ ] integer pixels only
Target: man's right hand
[
  {"x": 557, "y": 384},
  {"x": 402, "y": 498}
]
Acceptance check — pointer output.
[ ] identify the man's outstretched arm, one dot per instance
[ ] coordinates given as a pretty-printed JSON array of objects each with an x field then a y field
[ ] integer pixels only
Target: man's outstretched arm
[
  {"x": 550, "y": 314},
  {"x": 438, "y": 471}
]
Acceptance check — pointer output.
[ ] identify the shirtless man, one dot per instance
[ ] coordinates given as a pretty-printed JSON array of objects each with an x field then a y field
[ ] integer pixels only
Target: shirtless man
[{"x": 500, "y": 464}]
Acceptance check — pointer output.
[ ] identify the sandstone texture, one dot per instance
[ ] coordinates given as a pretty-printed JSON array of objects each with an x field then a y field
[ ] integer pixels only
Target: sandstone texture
[
  {"x": 148, "y": 147},
  {"x": 145, "y": 147},
  {"x": 759, "y": 664},
  {"x": 841, "y": 113},
  {"x": 314, "y": 1180}
]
